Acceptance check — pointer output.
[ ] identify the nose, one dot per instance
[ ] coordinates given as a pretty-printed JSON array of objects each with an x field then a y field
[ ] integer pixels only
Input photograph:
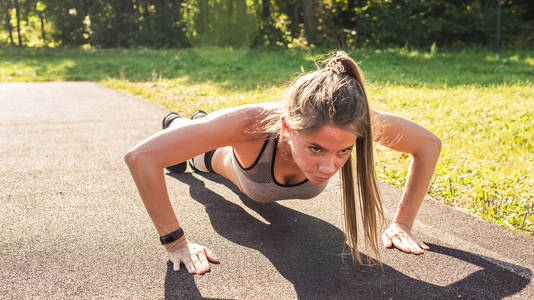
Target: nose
[{"x": 327, "y": 166}]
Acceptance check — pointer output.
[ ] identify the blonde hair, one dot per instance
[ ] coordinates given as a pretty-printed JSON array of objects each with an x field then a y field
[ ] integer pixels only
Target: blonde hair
[{"x": 336, "y": 94}]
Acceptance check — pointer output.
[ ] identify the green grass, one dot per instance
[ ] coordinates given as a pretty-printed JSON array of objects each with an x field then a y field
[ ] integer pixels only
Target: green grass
[{"x": 480, "y": 107}]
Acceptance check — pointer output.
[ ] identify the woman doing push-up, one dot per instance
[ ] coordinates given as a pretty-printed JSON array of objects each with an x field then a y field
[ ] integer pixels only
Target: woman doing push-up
[{"x": 289, "y": 150}]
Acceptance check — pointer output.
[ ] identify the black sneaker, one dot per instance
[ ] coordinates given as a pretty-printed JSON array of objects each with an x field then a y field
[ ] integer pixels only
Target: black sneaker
[
  {"x": 167, "y": 119},
  {"x": 198, "y": 114}
]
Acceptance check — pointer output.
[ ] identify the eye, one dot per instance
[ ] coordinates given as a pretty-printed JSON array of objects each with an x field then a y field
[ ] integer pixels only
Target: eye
[
  {"x": 346, "y": 151},
  {"x": 314, "y": 149}
]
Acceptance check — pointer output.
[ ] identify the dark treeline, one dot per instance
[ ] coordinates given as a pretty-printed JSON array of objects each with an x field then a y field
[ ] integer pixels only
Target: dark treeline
[{"x": 263, "y": 23}]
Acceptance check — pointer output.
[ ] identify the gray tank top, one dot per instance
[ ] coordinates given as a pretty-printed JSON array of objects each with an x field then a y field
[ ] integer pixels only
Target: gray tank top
[{"x": 258, "y": 180}]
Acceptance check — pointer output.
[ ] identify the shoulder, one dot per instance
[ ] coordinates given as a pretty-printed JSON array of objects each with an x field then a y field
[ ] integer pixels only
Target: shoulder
[
  {"x": 249, "y": 112},
  {"x": 244, "y": 115},
  {"x": 240, "y": 121}
]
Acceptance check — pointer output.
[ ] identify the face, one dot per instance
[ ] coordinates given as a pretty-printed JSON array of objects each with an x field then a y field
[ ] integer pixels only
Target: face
[{"x": 320, "y": 153}]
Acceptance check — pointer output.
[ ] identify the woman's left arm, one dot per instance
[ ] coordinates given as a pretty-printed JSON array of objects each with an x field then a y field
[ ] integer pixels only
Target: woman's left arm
[{"x": 403, "y": 135}]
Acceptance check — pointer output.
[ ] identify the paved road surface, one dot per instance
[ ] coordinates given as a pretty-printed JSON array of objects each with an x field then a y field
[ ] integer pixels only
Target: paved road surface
[{"x": 73, "y": 226}]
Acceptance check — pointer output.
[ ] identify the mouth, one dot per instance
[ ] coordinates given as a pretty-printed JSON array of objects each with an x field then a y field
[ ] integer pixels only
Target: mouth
[{"x": 321, "y": 178}]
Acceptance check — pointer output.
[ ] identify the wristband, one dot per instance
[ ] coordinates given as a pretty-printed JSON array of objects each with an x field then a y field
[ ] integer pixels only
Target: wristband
[{"x": 171, "y": 237}]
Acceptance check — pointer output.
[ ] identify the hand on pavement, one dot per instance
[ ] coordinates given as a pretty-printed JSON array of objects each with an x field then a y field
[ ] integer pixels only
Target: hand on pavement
[
  {"x": 194, "y": 256},
  {"x": 399, "y": 235}
]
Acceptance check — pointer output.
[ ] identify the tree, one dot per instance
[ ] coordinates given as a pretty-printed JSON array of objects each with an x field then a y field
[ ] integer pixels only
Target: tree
[
  {"x": 66, "y": 17},
  {"x": 7, "y": 8},
  {"x": 309, "y": 29},
  {"x": 241, "y": 6},
  {"x": 43, "y": 31},
  {"x": 203, "y": 17},
  {"x": 17, "y": 10},
  {"x": 265, "y": 36}
]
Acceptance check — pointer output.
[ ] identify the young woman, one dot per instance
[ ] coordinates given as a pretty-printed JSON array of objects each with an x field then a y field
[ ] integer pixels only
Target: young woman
[{"x": 289, "y": 150}]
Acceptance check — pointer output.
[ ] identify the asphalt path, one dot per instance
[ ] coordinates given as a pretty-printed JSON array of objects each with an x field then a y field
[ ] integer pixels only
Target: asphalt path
[{"x": 72, "y": 224}]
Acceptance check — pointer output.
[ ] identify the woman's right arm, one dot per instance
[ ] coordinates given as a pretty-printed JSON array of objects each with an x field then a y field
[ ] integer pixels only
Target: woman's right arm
[{"x": 147, "y": 159}]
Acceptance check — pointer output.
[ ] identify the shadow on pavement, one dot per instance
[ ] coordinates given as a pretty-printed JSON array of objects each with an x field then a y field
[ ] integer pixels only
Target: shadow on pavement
[{"x": 306, "y": 251}]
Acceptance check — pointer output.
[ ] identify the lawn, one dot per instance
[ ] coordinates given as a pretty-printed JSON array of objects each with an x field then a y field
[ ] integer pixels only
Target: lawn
[{"x": 480, "y": 107}]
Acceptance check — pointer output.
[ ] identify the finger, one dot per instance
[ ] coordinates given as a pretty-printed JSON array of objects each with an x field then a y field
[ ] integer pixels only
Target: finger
[
  {"x": 204, "y": 266},
  {"x": 197, "y": 265},
  {"x": 212, "y": 257},
  {"x": 414, "y": 247},
  {"x": 176, "y": 265},
  {"x": 386, "y": 240},
  {"x": 399, "y": 244},
  {"x": 189, "y": 266},
  {"x": 423, "y": 245}
]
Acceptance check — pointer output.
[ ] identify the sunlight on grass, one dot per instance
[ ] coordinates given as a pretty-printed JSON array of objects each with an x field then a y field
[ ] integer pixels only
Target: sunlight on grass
[
  {"x": 488, "y": 145},
  {"x": 177, "y": 95},
  {"x": 218, "y": 55},
  {"x": 34, "y": 70}
]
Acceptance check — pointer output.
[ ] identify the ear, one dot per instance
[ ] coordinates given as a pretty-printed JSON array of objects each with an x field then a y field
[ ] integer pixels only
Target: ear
[{"x": 285, "y": 127}]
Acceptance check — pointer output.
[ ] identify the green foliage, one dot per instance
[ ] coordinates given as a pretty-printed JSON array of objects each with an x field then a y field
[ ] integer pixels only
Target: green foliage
[
  {"x": 68, "y": 19},
  {"x": 267, "y": 23},
  {"x": 223, "y": 23},
  {"x": 421, "y": 23},
  {"x": 159, "y": 31}
]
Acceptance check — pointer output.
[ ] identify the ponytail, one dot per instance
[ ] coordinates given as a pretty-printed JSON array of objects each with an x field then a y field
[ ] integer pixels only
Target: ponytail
[{"x": 370, "y": 200}]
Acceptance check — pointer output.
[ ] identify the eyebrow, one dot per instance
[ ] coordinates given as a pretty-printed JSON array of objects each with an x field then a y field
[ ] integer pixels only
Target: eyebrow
[{"x": 317, "y": 145}]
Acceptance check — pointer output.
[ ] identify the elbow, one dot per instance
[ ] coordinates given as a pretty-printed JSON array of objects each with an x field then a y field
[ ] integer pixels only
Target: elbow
[
  {"x": 131, "y": 158},
  {"x": 436, "y": 144},
  {"x": 136, "y": 160},
  {"x": 433, "y": 148},
  {"x": 430, "y": 148}
]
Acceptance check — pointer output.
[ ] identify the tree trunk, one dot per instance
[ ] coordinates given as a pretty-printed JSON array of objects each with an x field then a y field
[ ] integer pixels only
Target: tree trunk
[
  {"x": 177, "y": 10},
  {"x": 146, "y": 12},
  {"x": 266, "y": 20},
  {"x": 294, "y": 8},
  {"x": 351, "y": 12},
  {"x": 230, "y": 9},
  {"x": 136, "y": 13},
  {"x": 265, "y": 35},
  {"x": 85, "y": 8},
  {"x": 17, "y": 9},
  {"x": 144, "y": 5},
  {"x": 43, "y": 32},
  {"x": 257, "y": 9},
  {"x": 266, "y": 10},
  {"x": 26, "y": 11},
  {"x": 309, "y": 33},
  {"x": 241, "y": 6},
  {"x": 8, "y": 22},
  {"x": 203, "y": 17}
]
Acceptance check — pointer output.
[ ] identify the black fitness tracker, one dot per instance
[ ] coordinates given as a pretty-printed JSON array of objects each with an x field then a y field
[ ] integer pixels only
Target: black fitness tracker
[{"x": 171, "y": 237}]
